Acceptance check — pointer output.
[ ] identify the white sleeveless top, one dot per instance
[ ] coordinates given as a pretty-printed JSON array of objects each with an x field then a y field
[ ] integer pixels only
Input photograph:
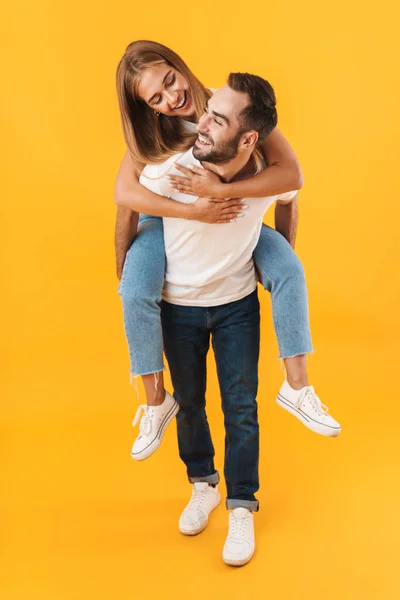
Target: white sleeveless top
[{"x": 189, "y": 126}]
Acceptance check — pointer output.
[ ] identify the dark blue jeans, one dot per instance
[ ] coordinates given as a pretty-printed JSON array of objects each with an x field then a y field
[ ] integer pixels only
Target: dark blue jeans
[{"x": 235, "y": 331}]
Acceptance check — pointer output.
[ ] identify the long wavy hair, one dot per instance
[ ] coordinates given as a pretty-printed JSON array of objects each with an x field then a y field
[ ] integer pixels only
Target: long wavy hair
[{"x": 151, "y": 138}]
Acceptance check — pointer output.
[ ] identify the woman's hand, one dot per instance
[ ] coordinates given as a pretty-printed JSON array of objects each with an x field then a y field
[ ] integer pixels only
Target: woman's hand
[
  {"x": 197, "y": 182},
  {"x": 214, "y": 210}
]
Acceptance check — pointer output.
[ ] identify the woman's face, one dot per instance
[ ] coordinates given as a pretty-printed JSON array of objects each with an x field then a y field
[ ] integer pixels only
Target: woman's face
[{"x": 166, "y": 90}]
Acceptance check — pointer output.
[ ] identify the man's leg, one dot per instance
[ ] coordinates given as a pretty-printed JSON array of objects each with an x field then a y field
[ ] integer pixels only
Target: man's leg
[
  {"x": 186, "y": 343},
  {"x": 236, "y": 342}
]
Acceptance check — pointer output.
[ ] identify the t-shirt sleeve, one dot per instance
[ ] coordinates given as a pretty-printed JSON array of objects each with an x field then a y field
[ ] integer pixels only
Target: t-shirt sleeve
[
  {"x": 153, "y": 179},
  {"x": 288, "y": 196}
]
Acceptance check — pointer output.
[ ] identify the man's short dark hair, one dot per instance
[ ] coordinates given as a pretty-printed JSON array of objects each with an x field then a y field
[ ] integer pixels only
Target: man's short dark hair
[{"x": 260, "y": 114}]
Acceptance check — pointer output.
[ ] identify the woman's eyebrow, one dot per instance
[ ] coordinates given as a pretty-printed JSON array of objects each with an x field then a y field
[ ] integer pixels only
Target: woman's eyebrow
[{"x": 163, "y": 82}]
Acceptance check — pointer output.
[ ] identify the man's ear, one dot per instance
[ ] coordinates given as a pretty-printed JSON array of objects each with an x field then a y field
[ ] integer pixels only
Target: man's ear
[{"x": 249, "y": 139}]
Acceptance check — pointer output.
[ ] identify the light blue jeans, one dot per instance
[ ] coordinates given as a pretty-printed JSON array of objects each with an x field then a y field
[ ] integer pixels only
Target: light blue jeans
[{"x": 142, "y": 280}]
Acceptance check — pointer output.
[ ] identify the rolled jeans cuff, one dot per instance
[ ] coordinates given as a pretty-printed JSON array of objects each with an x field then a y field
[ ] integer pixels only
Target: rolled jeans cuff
[
  {"x": 232, "y": 503},
  {"x": 211, "y": 479}
]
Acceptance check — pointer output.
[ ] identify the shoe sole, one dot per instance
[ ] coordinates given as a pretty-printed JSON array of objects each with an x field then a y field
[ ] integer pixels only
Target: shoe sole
[
  {"x": 238, "y": 563},
  {"x": 152, "y": 447},
  {"x": 191, "y": 533},
  {"x": 306, "y": 420}
]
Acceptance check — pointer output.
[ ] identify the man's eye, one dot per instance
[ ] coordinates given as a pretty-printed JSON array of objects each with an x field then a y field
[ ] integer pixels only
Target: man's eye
[
  {"x": 205, "y": 110},
  {"x": 217, "y": 122}
]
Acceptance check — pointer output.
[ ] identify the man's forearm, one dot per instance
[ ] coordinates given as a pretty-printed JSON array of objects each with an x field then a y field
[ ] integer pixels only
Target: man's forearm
[
  {"x": 125, "y": 232},
  {"x": 286, "y": 220}
]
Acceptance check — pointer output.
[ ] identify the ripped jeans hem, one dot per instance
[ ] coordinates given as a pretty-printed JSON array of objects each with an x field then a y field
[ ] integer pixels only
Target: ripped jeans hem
[
  {"x": 154, "y": 372},
  {"x": 283, "y": 357},
  {"x": 133, "y": 382}
]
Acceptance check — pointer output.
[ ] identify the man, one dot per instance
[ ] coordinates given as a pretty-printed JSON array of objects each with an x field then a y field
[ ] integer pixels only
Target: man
[{"x": 210, "y": 290}]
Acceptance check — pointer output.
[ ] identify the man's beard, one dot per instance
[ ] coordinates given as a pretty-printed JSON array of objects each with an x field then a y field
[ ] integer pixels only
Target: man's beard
[{"x": 220, "y": 154}]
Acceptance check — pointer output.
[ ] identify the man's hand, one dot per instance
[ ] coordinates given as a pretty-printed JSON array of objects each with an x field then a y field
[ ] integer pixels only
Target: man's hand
[{"x": 197, "y": 182}]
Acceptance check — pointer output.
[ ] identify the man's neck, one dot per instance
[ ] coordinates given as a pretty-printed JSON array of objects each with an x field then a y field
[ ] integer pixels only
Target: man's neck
[{"x": 238, "y": 168}]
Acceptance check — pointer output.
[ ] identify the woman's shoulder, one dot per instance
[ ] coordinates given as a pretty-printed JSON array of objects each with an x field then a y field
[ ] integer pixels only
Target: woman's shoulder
[
  {"x": 160, "y": 170},
  {"x": 189, "y": 126}
]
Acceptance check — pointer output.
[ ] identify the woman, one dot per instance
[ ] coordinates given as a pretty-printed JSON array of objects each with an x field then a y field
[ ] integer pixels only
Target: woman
[{"x": 160, "y": 101}]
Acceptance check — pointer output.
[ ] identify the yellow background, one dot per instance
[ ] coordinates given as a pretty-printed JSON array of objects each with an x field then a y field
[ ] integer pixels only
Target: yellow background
[{"x": 80, "y": 519}]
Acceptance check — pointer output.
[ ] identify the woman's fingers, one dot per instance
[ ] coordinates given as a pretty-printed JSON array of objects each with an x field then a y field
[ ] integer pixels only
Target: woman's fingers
[
  {"x": 227, "y": 220},
  {"x": 234, "y": 216},
  {"x": 227, "y": 217},
  {"x": 182, "y": 169},
  {"x": 182, "y": 188},
  {"x": 174, "y": 179},
  {"x": 221, "y": 200},
  {"x": 197, "y": 170},
  {"x": 234, "y": 207}
]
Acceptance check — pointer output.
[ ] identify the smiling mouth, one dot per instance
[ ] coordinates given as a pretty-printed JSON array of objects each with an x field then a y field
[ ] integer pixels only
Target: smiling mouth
[
  {"x": 183, "y": 103},
  {"x": 202, "y": 141}
]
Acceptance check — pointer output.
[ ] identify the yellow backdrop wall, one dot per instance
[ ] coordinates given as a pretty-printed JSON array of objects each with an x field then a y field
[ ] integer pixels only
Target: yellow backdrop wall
[{"x": 80, "y": 518}]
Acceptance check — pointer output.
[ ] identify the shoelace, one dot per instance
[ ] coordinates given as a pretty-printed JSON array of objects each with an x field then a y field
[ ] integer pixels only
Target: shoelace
[
  {"x": 145, "y": 423},
  {"x": 197, "y": 499},
  {"x": 308, "y": 395},
  {"x": 238, "y": 526}
]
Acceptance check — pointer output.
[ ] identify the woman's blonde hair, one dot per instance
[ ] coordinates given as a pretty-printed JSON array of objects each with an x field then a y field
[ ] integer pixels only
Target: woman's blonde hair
[{"x": 151, "y": 138}]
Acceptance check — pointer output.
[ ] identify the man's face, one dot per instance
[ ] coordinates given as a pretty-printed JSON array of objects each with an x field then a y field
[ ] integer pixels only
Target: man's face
[{"x": 219, "y": 128}]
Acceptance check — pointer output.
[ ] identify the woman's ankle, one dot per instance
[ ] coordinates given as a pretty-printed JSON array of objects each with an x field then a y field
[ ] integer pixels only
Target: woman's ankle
[
  {"x": 154, "y": 388},
  {"x": 296, "y": 371},
  {"x": 157, "y": 398}
]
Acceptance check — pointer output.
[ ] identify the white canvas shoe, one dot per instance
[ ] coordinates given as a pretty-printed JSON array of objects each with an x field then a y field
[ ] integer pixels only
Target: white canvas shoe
[
  {"x": 240, "y": 543},
  {"x": 308, "y": 408},
  {"x": 194, "y": 518},
  {"x": 154, "y": 421}
]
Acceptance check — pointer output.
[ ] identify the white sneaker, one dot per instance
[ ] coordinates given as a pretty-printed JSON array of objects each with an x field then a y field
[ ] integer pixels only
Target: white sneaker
[
  {"x": 155, "y": 420},
  {"x": 240, "y": 543},
  {"x": 204, "y": 499},
  {"x": 308, "y": 408}
]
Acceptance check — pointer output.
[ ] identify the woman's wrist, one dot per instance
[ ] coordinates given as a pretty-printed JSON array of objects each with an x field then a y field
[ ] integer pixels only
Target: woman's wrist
[
  {"x": 189, "y": 212},
  {"x": 223, "y": 190}
]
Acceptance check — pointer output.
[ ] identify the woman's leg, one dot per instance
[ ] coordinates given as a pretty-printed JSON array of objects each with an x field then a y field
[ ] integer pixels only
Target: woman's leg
[
  {"x": 140, "y": 289},
  {"x": 282, "y": 274}
]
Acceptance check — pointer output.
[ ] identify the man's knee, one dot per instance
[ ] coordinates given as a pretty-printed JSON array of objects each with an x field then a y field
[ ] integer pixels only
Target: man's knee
[{"x": 242, "y": 412}]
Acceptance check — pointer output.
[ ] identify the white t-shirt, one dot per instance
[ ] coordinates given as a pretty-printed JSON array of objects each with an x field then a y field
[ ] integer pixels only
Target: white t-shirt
[{"x": 207, "y": 264}]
